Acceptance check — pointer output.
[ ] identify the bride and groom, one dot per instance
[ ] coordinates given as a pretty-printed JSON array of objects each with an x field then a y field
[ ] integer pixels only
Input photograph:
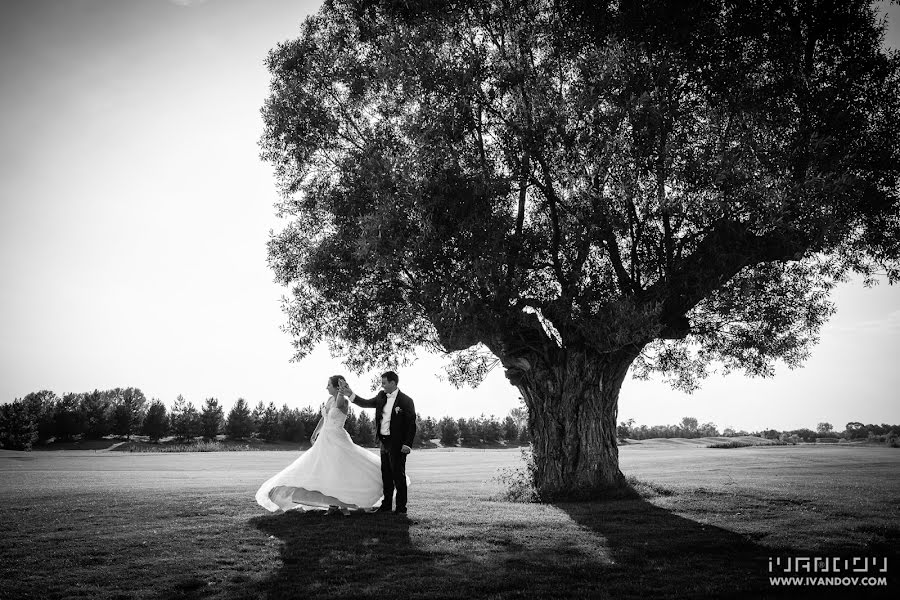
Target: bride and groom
[{"x": 335, "y": 472}]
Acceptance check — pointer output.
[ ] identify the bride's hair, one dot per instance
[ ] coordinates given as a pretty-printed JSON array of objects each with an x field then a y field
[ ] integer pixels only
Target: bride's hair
[{"x": 335, "y": 380}]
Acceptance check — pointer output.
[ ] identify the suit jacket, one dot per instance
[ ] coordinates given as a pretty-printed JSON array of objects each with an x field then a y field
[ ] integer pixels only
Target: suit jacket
[{"x": 403, "y": 417}]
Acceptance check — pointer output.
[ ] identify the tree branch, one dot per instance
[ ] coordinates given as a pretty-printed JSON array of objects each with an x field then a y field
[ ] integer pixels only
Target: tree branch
[
  {"x": 515, "y": 246},
  {"x": 556, "y": 234},
  {"x": 727, "y": 249},
  {"x": 626, "y": 284}
]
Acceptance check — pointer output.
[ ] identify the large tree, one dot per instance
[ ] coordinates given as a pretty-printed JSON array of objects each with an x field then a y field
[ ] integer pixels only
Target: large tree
[{"x": 579, "y": 188}]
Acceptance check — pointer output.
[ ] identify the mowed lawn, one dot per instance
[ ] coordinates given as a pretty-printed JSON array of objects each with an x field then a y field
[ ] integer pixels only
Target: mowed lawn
[{"x": 79, "y": 524}]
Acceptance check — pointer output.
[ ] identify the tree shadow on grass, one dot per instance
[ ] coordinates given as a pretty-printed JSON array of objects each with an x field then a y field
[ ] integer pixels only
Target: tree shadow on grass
[
  {"x": 658, "y": 554},
  {"x": 626, "y": 548}
]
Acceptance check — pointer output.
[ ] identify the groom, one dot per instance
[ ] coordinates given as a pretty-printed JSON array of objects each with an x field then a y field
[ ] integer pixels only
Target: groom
[{"x": 395, "y": 426}]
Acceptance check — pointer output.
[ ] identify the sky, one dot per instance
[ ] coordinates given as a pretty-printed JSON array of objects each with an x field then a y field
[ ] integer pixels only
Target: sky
[{"x": 135, "y": 211}]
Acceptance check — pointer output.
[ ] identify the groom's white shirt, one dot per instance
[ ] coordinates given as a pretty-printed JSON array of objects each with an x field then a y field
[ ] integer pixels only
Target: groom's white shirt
[{"x": 386, "y": 413}]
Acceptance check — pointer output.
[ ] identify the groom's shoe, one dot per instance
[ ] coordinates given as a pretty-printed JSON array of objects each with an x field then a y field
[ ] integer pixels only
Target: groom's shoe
[
  {"x": 384, "y": 508},
  {"x": 400, "y": 511}
]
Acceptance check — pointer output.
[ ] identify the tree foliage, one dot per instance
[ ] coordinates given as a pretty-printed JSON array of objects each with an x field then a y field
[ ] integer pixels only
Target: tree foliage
[
  {"x": 128, "y": 408},
  {"x": 239, "y": 424},
  {"x": 265, "y": 421},
  {"x": 184, "y": 419},
  {"x": 39, "y": 406},
  {"x": 156, "y": 421},
  {"x": 510, "y": 428},
  {"x": 449, "y": 431},
  {"x": 68, "y": 420},
  {"x": 689, "y": 428},
  {"x": 613, "y": 174},
  {"x": 97, "y": 410},
  {"x": 351, "y": 424},
  {"x": 18, "y": 426},
  {"x": 212, "y": 419},
  {"x": 577, "y": 188},
  {"x": 365, "y": 430},
  {"x": 292, "y": 425}
]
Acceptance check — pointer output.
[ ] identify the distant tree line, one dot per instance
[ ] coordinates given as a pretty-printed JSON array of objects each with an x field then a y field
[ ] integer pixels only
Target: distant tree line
[
  {"x": 690, "y": 428},
  {"x": 43, "y": 416},
  {"x": 483, "y": 431},
  {"x": 853, "y": 431}
]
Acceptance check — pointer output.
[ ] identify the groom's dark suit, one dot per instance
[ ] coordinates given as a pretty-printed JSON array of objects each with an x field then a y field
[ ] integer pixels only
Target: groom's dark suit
[{"x": 402, "y": 431}]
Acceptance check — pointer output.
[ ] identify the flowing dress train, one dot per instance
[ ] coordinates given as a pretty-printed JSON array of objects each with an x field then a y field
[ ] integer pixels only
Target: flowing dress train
[{"x": 334, "y": 472}]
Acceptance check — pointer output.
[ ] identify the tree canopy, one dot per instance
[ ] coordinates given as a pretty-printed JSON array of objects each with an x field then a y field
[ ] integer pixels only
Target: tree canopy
[{"x": 577, "y": 188}]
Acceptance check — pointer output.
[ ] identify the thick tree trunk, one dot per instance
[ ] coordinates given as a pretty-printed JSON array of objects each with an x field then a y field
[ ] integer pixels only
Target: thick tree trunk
[{"x": 572, "y": 408}]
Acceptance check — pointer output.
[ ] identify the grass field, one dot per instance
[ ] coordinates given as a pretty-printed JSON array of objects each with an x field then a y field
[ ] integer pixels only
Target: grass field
[{"x": 84, "y": 524}]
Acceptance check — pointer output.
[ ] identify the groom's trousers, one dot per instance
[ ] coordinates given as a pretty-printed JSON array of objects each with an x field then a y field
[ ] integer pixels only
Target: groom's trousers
[{"x": 393, "y": 474}]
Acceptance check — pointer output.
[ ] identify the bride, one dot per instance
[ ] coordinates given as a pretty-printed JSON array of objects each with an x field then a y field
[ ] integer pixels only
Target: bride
[{"x": 334, "y": 473}]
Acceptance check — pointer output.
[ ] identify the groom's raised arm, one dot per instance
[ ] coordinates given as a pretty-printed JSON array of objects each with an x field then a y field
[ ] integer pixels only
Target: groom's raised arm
[
  {"x": 351, "y": 395},
  {"x": 363, "y": 402}
]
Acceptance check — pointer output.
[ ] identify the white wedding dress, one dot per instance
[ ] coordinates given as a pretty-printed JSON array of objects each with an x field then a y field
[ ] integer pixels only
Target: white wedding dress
[{"x": 334, "y": 472}]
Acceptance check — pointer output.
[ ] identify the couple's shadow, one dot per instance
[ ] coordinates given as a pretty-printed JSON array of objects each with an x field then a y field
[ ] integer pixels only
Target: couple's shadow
[{"x": 338, "y": 556}]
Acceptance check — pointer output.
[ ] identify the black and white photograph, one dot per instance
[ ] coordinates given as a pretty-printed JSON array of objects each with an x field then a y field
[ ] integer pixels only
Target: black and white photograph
[{"x": 449, "y": 299}]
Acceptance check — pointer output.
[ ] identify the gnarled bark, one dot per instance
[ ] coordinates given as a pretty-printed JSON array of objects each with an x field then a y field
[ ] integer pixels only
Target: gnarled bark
[{"x": 573, "y": 405}]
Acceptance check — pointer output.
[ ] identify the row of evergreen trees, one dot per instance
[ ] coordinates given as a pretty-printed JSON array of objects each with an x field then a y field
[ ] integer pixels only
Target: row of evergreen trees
[{"x": 43, "y": 416}]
